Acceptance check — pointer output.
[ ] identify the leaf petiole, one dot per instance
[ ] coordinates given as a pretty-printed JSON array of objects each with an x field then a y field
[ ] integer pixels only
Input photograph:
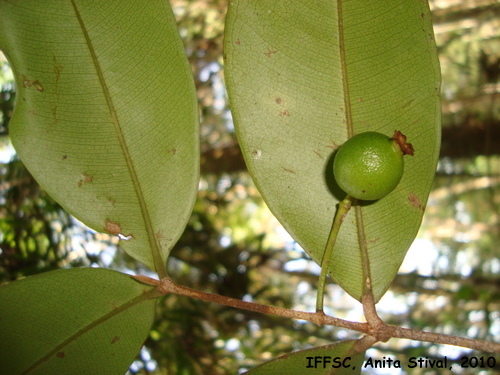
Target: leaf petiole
[{"x": 344, "y": 207}]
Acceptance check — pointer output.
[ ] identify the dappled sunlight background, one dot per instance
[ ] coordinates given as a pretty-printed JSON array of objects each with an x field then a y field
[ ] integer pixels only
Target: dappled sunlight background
[{"x": 448, "y": 283}]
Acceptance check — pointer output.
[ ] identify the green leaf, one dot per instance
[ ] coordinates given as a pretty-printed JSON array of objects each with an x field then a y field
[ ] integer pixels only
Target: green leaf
[
  {"x": 76, "y": 321},
  {"x": 334, "y": 359},
  {"x": 106, "y": 115},
  {"x": 303, "y": 77}
]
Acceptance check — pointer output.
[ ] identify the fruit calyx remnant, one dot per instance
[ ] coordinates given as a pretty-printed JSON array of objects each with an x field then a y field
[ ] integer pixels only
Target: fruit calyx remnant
[{"x": 400, "y": 139}]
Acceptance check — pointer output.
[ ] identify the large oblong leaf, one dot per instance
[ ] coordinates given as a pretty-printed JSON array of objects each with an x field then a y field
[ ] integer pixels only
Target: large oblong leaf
[
  {"x": 305, "y": 76},
  {"x": 76, "y": 321},
  {"x": 106, "y": 114},
  {"x": 334, "y": 359}
]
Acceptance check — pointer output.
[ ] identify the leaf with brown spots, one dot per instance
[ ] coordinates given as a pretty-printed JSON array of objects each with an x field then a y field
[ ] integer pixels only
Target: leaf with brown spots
[
  {"x": 85, "y": 179},
  {"x": 415, "y": 202},
  {"x": 342, "y": 68},
  {"x": 141, "y": 151},
  {"x": 112, "y": 228}
]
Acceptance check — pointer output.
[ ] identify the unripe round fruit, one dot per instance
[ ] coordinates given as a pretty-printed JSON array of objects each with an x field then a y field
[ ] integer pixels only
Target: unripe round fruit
[{"x": 369, "y": 165}]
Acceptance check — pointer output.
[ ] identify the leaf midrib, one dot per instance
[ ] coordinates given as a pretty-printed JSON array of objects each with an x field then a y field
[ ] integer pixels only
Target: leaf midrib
[
  {"x": 365, "y": 260},
  {"x": 156, "y": 253}
]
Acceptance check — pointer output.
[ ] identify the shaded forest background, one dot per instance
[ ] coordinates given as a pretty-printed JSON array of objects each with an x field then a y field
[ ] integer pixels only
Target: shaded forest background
[{"x": 233, "y": 245}]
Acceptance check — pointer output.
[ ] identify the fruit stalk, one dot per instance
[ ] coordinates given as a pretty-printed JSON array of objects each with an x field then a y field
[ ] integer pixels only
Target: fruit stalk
[{"x": 340, "y": 215}]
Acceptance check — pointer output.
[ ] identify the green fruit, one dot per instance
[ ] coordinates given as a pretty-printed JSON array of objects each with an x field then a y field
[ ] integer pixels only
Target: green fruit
[{"x": 369, "y": 165}]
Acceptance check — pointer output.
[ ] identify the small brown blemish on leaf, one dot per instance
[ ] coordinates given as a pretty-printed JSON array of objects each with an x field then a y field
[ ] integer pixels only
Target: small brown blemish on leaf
[
  {"x": 237, "y": 41},
  {"x": 285, "y": 113},
  {"x": 26, "y": 81},
  {"x": 37, "y": 85},
  {"x": 288, "y": 170},
  {"x": 64, "y": 157},
  {"x": 278, "y": 100},
  {"x": 415, "y": 202},
  {"x": 113, "y": 228},
  {"x": 256, "y": 154},
  {"x": 86, "y": 179},
  {"x": 161, "y": 237},
  {"x": 360, "y": 100},
  {"x": 422, "y": 15},
  {"x": 116, "y": 229},
  {"x": 60, "y": 355},
  {"x": 115, "y": 339},
  {"x": 270, "y": 52},
  {"x": 173, "y": 151},
  {"x": 112, "y": 201}
]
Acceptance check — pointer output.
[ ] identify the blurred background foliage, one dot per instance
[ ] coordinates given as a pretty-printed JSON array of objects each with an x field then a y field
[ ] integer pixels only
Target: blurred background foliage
[{"x": 233, "y": 245}]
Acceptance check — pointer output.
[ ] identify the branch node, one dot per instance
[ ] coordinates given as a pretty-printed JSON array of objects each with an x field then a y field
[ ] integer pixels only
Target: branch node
[
  {"x": 381, "y": 332},
  {"x": 319, "y": 318},
  {"x": 378, "y": 328},
  {"x": 166, "y": 285}
]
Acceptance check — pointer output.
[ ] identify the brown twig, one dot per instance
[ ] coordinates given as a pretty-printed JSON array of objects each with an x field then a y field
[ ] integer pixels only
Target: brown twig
[
  {"x": 381, "y": 331},
  {"x": 438, "y": 338},
  {"x": 319, "y": 318}
]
